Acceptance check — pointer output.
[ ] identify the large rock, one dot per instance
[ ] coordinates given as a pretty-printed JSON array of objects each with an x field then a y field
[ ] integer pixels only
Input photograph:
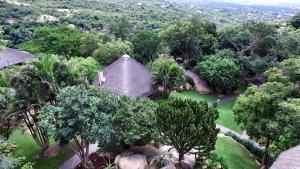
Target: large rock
[
  {"x": 131, "y": 162},
  {"x": 172, "y": 155}
]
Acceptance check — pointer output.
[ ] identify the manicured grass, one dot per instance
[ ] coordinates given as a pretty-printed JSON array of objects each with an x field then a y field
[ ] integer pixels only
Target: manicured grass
[
  {"x": 226, "y": 116},
  {"x": 234, "y": 154},
  {"x": 193, "y": 95},
  {"x": 27, "y": 147}
]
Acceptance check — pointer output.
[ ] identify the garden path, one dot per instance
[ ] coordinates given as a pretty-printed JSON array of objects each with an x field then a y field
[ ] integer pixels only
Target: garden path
[{"x": 75, "y": 160}]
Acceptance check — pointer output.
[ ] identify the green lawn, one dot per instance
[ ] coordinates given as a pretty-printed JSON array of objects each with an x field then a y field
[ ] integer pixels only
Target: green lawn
[
  {"x": 27, "y": 147},
  {"x": 226, "y": 114},
  {"x": 193, "y": 95},
  {"x": 235, "y": 155}
]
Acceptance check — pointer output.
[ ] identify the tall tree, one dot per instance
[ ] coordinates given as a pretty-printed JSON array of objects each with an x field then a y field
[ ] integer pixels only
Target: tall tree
[
  {"x": 188, "y": 125},
  {"x": 111, "y": 51},
  {"x": 145, "y": 45},
  {"x": 295, "y": 21},
  {"x": 250, "y": 37},
  {"x": 190, "y": 40},
  {"x": 264, "y": 111},
  {"x": 120, "y": 28},
  {"x": 60, "y": 40},
  {"x": 83, "y": 115}
]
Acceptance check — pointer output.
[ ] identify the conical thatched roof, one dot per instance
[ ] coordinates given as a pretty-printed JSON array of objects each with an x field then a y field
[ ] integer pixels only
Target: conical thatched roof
[
  {"x": 289, "y": 159},
  {"x": 126, "y": 76},
  {"x": 10, "y": 57}
]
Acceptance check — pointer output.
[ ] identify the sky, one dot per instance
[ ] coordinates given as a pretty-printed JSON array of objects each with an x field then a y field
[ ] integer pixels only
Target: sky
[{"x": 265, "y": 2}]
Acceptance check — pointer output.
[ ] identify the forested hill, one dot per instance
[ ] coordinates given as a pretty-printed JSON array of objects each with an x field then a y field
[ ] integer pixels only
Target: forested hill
[{"x": 18, "y": 18}]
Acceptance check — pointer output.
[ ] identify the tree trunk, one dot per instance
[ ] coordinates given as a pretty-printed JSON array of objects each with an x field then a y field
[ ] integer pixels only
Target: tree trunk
[
  {"x": 181, "y": 157},
  {"x": 265, "y": 158},
  {"x": 86, "y": 155}
]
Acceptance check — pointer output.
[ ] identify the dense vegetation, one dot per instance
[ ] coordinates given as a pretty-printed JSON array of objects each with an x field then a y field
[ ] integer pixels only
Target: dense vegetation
[{"x": 52, "y": 97}]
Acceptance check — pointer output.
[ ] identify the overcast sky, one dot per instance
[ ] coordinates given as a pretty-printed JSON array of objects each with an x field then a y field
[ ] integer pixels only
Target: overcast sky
[{"x": 266, "y": 1}]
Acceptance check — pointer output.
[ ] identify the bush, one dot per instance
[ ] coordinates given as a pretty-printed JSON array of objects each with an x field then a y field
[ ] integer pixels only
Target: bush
[
  {"x": 222, "y": 73},
  {"x": 136, "y": 121}
]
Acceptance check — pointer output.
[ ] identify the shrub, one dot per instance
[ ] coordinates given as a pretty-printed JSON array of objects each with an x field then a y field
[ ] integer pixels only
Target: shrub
[
  {"x": 136, "y": 121},
  {"x": 188, "y": 125}
]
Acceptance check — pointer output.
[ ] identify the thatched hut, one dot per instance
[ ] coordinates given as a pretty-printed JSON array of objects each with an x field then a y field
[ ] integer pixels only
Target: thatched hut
[
  {"x": 126, "y": 76},
  {"x": 10, "y": 57},
  {"x": 289, "y": 159}
]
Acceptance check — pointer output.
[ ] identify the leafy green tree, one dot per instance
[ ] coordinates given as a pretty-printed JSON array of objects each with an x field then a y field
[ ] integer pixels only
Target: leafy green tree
[
  {"x": 295, "y": 21},
  {"x": 167, "y": 75},
  {"x": 221, "y": 72},
  {"x": 83, "y": 115},
  {"x": 136, "y": 121},
  {"x": 188, "y": 125},
  {"x": 9, "y": 117},
  {"x": 274, "y": 105},
  {"x": 84, "y": 67},
  {"x": 251, "y": 37},
  {"x": 90, "y": 42},
  {"x": 256, "y": 111},
  {"x": 120, "y": 28},
  {"x": 60, "y": 40},
  {"x": 145, "y": 45},
  {"x": 190, "y": 40},
  {"x": 111, "y": 51}
]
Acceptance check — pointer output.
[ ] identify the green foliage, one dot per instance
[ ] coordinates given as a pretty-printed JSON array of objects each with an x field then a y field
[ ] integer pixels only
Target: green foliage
[
  {"x": 9, "y": 119},
  {"x": 270, "y": 111},
  {"x": 60, "y": 40},
  {"x": 136, "y": 121},
  {"x": 80, "y": 110},
  {"x": 111, "y": 51},
  {"x": 222, "y": 72},
  {"x": 189, "y": 41},
  {"x": 167, "y": 74},
  {"x": 251, "y": 37},
  {"x": 194, "y": 125},
  {"x": 90, "y": 42},
  {"x": 295, "y": 21},
  {"x": 2, "y": 41},
  {"x": 84, "y": 67},
  {"x": 120, "y": 28},
  {"x": 145, "y": 45}
]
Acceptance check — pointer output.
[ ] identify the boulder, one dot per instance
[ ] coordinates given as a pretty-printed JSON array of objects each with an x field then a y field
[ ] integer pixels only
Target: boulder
[{"x": 131, "y": 162}]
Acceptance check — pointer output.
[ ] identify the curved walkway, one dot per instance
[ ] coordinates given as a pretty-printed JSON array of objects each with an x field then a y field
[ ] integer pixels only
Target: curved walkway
[
  {"x": 75, "y": 160},
  {"x": 200, "y": 84}
]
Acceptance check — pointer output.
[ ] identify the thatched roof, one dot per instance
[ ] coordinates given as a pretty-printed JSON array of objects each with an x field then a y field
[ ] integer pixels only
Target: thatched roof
[
  {"x": 10, "y": 57},
  {"x": 126, "y": 76},
  {"x": 289, "y": 159}
]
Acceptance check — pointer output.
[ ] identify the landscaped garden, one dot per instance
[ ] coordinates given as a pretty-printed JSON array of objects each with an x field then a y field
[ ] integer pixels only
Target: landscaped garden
[{"x": 120, "y": 98}]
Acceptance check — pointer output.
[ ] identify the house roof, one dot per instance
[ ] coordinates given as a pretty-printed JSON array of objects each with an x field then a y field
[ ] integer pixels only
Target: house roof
[
  {"x": 289, "y": 159},
  {"x": 10, "y": 57},
  {"x": 126, "y": 76}
]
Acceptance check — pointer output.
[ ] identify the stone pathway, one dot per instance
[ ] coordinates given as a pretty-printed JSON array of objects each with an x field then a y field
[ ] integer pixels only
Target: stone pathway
[
  {"x": 75, "y": 160},
  {"x": 200, "y": 84}
]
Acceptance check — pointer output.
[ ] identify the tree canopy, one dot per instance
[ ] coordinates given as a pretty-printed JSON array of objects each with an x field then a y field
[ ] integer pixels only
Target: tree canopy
[{"x": 190, "y": 40}]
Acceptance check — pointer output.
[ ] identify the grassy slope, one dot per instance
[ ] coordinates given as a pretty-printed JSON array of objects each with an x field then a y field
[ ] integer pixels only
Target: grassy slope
[
  {"x": 227, "y": 117},
  {"x": 235, "y": 155},
  {"x": 27, "y": 147},
  {"x": 226, "y": 114}
]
